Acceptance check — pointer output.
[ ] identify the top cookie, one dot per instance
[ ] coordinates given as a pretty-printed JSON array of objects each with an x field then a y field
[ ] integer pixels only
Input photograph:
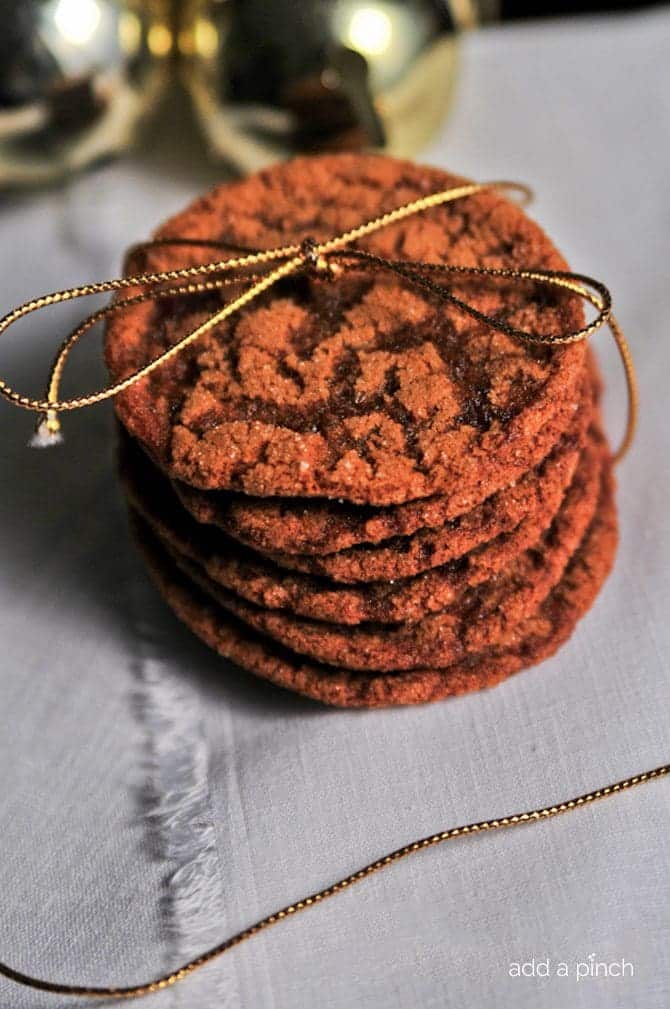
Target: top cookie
[{"x": 364, "y": 388}]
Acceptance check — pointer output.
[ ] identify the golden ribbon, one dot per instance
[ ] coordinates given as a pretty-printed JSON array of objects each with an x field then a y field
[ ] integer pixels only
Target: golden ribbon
[
  {"x": 467, "y": 830},
  {"x": 328, "y": 257}
]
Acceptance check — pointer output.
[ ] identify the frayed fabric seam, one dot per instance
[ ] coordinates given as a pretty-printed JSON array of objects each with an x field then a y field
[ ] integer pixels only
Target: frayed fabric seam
[{"x": 175, "y": 803}]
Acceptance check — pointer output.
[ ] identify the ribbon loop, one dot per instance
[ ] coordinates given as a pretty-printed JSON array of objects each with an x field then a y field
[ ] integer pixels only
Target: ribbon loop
[{"x": 325, "y": 259}]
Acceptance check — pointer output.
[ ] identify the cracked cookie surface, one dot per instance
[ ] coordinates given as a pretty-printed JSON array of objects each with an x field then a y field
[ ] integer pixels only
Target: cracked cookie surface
[
  {"x": 526, "y": 644},
  {"x": 258, "y": 580},
  {"x": 321, "y": 527},
  {"x": 364, "y": 389},
  {"x": 476, "y": 621}
]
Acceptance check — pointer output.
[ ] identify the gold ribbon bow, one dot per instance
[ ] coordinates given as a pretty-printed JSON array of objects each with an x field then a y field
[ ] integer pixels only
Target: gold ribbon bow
[{"x": 329, "y": 257}]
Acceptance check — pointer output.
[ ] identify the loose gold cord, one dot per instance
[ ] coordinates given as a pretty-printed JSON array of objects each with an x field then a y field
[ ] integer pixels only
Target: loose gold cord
[
  {"x": 167, "y": 980},
  {"x": 329, "y": 257}
]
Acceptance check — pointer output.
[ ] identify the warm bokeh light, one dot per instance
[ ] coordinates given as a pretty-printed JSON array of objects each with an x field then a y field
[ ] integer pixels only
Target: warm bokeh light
[
  {"x": 159, "y": 40},
  {"x": 206, "y": 38},
  {"x": 130, "y": 32},
  {"x": 77, "y": 20},
  {"x": 370, "y": 30}
]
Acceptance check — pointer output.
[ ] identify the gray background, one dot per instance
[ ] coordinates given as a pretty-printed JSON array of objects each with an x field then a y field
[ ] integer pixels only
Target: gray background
[{"x": 153, "y": 801}]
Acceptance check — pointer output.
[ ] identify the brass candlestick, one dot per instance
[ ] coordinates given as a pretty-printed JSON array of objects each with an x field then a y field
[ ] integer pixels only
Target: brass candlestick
[
  {"x": 75, "y": 77},
  {"x": 274, "y": 77}
]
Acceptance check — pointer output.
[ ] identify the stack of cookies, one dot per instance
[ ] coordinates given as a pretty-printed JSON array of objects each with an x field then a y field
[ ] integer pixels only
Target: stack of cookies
[{"x": 351, "y": 488}]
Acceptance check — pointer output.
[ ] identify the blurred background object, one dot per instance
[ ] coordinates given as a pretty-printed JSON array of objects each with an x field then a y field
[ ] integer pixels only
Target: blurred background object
[
  {"x": 273, "y": 77},
  {"x": 557, "y": 8},
  {"x": 266, "y": 78},
  {"x": 75, "y": 77}
]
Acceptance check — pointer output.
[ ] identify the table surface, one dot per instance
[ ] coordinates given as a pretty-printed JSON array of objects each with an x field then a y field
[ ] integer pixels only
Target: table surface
[{"x": 153, "y": 800}]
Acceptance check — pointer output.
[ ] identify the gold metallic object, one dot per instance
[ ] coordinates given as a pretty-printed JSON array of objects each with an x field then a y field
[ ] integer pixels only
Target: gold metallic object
[
  {"x": 274, "y": 77},
  {"x": 334, "y": 252},
  {"x": 167, "y": 980},
  {"x": 75, "y": 76}
]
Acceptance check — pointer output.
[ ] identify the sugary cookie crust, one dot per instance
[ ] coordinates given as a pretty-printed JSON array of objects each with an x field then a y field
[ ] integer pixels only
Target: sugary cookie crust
[
  {"x": 362, "y": 389},
  {"x": 318, "y": 526},
  {"x": 257, "y": 580},
  {"x": 477, "y": 620},
  {"x": 527, "y": 643}
]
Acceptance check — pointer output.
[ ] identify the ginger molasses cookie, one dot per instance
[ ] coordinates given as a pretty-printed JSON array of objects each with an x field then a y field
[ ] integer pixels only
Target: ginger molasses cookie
[
  {"x": 321, "y": 526},
  {"x": 533, "y": 499},
  {"x": 258, "y": 580},
  {"x": 365, "y": 388},
  {"x": 531, "y": 641},
  {"x": 318, "y": 526},
  {"x": 476, "y": 621}
]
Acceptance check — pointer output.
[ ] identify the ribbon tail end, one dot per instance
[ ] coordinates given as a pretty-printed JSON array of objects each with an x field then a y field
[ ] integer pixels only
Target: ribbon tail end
[{"x": 46, "y": 434}]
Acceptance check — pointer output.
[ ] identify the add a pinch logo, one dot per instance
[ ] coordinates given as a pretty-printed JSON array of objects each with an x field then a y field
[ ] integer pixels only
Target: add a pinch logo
[{"x": 580, "y": 970}]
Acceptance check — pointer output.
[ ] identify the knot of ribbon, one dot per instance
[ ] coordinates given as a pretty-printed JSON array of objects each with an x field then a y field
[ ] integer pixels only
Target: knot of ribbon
[{"x": 261, "y": 270}]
